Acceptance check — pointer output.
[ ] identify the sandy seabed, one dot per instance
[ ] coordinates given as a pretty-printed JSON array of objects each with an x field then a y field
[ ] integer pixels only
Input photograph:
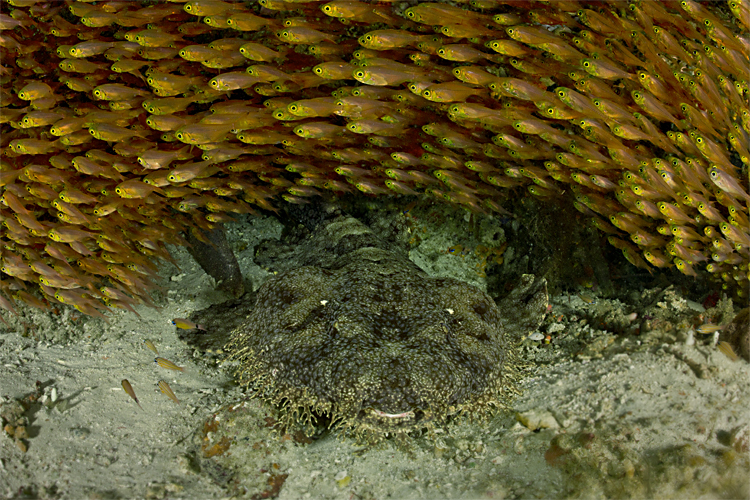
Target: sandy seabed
[{"x": 604, "y": 413}]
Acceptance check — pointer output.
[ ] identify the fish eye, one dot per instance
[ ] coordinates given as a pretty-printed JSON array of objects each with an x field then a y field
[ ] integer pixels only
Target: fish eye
[
  {"x": 327, "y": 8},
  {"x": 318, "y": 70},
  {"x": 368, "y": 37}
]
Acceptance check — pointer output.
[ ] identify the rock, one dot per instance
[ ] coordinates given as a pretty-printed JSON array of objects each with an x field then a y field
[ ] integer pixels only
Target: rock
[
  {"x": 537, "y": 419},
  {"x": 737, "y": 334},
  {"x": 218, "y": 261}
]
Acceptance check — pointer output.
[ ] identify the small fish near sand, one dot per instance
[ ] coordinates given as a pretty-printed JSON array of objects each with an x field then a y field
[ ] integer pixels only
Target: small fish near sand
[
  {"x": 129, "y": 389},
  {"x": 151, "y": 346},
  {"x": 165, "y": 363},
  {"x": 728, "y": 351},
  {"x": 164, "y": 388},
  {"x": 708, "y": 328},
  {"x": 186, "y": 324}
]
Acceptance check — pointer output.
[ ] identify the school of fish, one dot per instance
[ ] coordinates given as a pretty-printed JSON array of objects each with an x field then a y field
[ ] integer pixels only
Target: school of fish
[{"x": 123, "y": 125}]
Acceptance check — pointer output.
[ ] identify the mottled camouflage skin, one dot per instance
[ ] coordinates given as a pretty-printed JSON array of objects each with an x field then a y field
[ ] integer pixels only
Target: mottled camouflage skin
[{"x": 378, "y": 345}]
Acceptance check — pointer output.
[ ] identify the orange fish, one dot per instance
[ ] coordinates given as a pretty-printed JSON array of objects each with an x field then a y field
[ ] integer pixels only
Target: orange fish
[
  {"x": 245, "y": 21},
  {"x": 450, "y": 92},
  {"x": 206, "y": 7},
  {"x": 532, "y": 34},
  {"x": 117, "y": 92},
  {"x": 89, "y": 48},
  {"x": 301, "y": 34},
  {"x": 233, "y": 80},
  {"x": 388, "y": 39},
  {"x": 135, "y": 188},
  {"x": 259, "y": 52},
  {"x": 35, "y": 90},
  {"x": 68, "y": 234},
  {"x": 441, "y": 14},
  {"x": 462, "y": 53}
]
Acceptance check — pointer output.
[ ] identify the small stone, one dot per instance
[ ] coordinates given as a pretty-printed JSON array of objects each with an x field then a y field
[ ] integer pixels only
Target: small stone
[
  {"x": 80, "y": 432},
  {"x": 739, "y": 438},
  {"x": 441, "y": 449},
  {"x": 21, "y": 432},
  {"x": 555, "y": 328},
  {"x": 695, "y": 306},
  {"x": 173, "y": 488},
  {"x": 343, "y": 479},
  {"x": 628, "y": 468},
  {"x": 537, "y": 419},
  {"x": 155, "y": 491}
]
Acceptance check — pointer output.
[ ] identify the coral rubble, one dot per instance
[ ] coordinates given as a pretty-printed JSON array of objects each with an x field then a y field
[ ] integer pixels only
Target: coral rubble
[{"x": 123, "y": 124}]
